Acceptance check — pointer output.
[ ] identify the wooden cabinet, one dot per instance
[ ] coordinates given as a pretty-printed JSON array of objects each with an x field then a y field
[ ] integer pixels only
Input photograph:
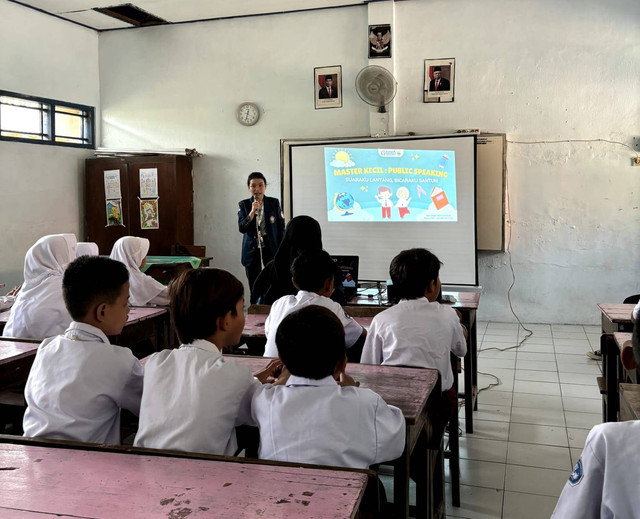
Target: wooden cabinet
[{"x": 175, "y": 201}]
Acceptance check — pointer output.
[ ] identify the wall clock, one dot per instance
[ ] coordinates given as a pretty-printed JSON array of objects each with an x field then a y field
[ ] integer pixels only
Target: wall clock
[{"x": 248, "y": 114}]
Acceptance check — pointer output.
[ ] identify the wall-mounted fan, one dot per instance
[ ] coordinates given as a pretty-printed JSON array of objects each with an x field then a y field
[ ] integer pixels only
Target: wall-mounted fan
[{"x": 376, "y": 86}]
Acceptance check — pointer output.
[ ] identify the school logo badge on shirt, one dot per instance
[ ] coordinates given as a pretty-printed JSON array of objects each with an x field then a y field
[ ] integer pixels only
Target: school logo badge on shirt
[{"x": 577, "y": 474}]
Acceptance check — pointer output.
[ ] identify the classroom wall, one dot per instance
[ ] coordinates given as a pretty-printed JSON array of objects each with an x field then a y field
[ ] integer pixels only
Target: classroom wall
[
  {"x": 537, "y": 71},
  {"x": 41, "y": 185}
]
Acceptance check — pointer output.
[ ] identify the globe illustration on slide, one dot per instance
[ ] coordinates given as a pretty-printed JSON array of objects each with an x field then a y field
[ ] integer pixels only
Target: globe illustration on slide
[{"x": 344, "y": 203}]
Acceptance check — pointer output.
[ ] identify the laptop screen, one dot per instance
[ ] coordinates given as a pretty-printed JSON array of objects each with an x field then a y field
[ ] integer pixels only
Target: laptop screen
[{"x": 349, "y": 267}]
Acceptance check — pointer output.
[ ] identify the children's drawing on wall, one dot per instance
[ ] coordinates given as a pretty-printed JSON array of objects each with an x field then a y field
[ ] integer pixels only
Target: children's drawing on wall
[
  {"x": 390, "y": 185},
  {"x": 148, "y": 183},
  {"x": 439, "y": 80},
  {"x": 379, "y": 41},
  {"x": 112, "y": 184},
  {"x": 149, "y": 217},
  {"x": 114, "y": 212}
]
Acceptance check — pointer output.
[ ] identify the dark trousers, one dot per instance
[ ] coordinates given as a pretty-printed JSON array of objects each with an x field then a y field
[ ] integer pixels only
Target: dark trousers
[{"x": 255, "y": 268}]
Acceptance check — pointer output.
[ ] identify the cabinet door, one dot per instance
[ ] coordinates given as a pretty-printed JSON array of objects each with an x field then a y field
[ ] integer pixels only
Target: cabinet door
[
  {"x": 164, "y": 236},
  {"x": 96, "y": 218}
]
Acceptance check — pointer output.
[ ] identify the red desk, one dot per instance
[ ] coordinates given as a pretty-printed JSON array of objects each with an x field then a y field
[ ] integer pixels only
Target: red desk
[
  {"x": 615, "y": 318},
  {"x": 47, "y": 481},
  {"x": 408, "y": 389}
]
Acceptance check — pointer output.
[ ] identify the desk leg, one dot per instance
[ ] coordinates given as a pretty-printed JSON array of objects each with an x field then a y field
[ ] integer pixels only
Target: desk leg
[
  {"x": 473, "y": 342},
  {"x": 468, "y": 391},
  {"x": 401, "y": 482},
  {"x": 611, "y": 369}
]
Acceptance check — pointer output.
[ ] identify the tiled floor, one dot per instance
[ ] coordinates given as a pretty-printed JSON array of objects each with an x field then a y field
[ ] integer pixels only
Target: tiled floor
[{"x": 529, "y": 430}]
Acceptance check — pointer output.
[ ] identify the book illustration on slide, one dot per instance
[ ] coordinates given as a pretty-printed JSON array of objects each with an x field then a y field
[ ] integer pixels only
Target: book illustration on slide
[{"x": 390, "y": 185}]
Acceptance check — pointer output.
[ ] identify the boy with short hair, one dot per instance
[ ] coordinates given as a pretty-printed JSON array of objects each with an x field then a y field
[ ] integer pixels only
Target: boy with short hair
[
  {"x": 320, "y": 415},
  {"x": 194, "y": 398},
  {"x": 79, "y": 381},
  {"x": 312, "y": 274}
]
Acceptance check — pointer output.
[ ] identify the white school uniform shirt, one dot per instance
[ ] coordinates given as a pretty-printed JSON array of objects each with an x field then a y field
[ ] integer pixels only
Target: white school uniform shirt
[
  {"x": 318, "y": 421},
  {"x": 143, "y": 289},
  {"x": 77, "y": 386},
  {"x": 636, "y": 312},
  {"x": 416, "y": 333},
  {"x": 288, "y": 304},
  {"x": 193, "y": 399},
  {"x": 39, "y": 310},
  {"x": 605, "y": 481}
]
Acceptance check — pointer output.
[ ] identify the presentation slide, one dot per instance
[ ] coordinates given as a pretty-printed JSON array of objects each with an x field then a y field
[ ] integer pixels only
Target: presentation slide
[{"x": 390, "y": 185}]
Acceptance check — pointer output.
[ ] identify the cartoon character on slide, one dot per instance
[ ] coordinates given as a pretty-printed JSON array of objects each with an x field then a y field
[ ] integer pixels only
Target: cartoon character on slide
[
  {"x": 383, "y": 196},
  {"x": 403, "y": 201}
]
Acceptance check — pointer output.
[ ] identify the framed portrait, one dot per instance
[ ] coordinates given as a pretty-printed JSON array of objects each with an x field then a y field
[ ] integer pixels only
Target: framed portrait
[
  {"x": 439, "y": 80},
  {"x": 328, "y": 87},
  {"x": 379, "y": 41}
]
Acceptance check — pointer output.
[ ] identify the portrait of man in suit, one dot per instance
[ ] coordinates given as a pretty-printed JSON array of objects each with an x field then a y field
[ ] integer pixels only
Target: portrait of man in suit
[
  {"x": 439, "y": 83},
  {"x": 328, "y": 91}
]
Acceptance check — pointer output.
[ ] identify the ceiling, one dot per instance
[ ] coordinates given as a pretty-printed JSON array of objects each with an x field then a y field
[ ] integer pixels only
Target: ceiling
[{"x": 174, "y": 11}]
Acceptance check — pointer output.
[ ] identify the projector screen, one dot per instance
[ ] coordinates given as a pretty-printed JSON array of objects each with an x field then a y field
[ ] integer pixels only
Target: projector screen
[{"x": 376, "y": 197}]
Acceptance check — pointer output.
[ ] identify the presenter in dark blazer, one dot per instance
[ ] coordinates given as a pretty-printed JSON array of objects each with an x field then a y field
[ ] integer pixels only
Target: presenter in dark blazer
[
  {"x": 261, "y": 221},
  {"x": 439, "y": 83},
  {"x": 328, "y": 90}
]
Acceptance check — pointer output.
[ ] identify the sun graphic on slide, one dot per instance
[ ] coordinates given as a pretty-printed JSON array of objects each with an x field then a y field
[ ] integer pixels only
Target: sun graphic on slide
[{"x": 341, "y": 159}]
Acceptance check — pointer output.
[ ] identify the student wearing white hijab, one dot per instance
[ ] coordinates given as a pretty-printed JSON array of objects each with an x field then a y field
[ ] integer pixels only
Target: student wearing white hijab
[
  {"x": 132, "y": 251},
  {"x": 87, "y": 248},
  {"x": 39, "y": 310}
]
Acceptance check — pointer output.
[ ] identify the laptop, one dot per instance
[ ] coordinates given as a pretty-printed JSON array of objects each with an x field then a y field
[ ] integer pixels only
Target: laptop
[{"x": 349, "y": 267}]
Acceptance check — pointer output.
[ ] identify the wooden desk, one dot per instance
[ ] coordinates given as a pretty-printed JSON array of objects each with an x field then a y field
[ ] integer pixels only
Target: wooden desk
[
  {"x": 467, "y": 304},
  {"x": 615, "y": 318},
  {"x": 50, "y": 481},
  {"x": 146, "y": 322},
  {"x": 4, "y": 317},
  {"x": 410, "y": 390},
  {"x": 629, "y": 402},
  {"x": 16, "y": 358}
]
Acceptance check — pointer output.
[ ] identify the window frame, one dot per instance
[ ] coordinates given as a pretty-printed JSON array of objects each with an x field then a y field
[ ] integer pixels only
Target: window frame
[{"x": 52, "y": 104}]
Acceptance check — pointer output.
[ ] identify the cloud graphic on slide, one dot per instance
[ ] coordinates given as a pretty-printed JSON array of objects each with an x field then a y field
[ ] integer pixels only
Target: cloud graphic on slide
[{"x": 341, "y": 164}]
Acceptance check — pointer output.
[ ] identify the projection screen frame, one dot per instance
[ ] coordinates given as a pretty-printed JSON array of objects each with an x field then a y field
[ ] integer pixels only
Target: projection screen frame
[{"x": 286, "y": 175}]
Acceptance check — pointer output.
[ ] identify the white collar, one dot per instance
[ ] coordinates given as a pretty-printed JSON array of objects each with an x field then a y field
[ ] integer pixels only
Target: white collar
[
  {"x": 85, "y": 332},
  {"x": 302, "y": 381},
  {"x": 203, "y": 344}
]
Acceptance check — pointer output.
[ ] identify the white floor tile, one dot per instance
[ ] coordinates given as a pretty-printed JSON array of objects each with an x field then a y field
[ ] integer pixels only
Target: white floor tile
[
  {"x": 578, "y": 378},
  {"x": 545, "y": 357},
  {"x": 567, "y": 328},
  {"x": 537, "y": 401},
  {"x": 541, "y": 456},
  {"x": 486, "y": 364},
  {"x": 476, "y": 503},
  {"x": 577, "y": 437},
  {"x": 537, "y": 376},
  {"x": 537, "y": 388},
  {"x": 489, "y": 337},
  {"x": 582, "y": 405},
  {"x": 500, "y": 330},
  {"x": 536, "y": 365},
  {"x": 493, "y": 398},
  {"x": 483, "y": 450},
  {"x": 540, "y": 434},
  {"x": 582, "y": 420},
  {"x": 493, "y": 325},
  {"x": 574, "y": 350},
  {"x": 479, "y": 473},
  {"x": 569, "y": 335},
  {"x": 580, "y": 391},
  {"x": 593, "y": 368},
  {"x": 488, "y": 430},
  {"x": 532, "y": 480},
  {"x": 538, "y": 416},
  {"x": 527, "y": 506},
  {"x": 578, "y": 343},
  {"x": 537, "y": 338},
  {"x": 536, "y": 347},
  {"x": 496, "y": 354},
  {"x": 563, "y": 358},
  {"x": 494, "y": 413}
]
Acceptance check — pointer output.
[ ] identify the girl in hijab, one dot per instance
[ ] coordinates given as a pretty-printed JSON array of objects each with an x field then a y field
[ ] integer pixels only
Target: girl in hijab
[
  {"x": 302, "y": 233},
  {"x": 144, "y": 290},
  {"x": 39, "y": 309},
  {"x": 87, "y": 248}
]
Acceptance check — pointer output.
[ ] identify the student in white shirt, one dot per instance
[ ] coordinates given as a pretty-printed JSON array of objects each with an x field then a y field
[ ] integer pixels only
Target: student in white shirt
[
  {"x": 79, "y": 382},
  {"x": 604, "y": 482},
  {"x": 312, "y": 273},
  {"x": 418, "y": 331},
  {"x": 320, "y": 415},
  {"x": 194, "y": 398},
  {"x": 39, "y": 310},
  {"x": 132, "y": 251}
]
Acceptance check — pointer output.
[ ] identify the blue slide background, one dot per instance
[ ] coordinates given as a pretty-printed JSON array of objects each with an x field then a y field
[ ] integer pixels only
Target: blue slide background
[{"x": 353, "y": 176}]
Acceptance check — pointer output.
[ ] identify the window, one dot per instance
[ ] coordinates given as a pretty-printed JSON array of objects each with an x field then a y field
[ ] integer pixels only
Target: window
[{"x": 45, "y": 121}]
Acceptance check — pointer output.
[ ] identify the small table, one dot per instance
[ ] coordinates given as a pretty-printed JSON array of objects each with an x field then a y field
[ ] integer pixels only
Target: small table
[
  {"x": 48, "y": 480},
  {"x": 629, "y": 402},
  {"x": 409, "y": 389},
  {"x": 615, "y": 319}
]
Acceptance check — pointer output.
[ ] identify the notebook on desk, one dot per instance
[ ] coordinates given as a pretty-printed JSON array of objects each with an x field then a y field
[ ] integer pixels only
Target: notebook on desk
[{"x": 349, "y": 266}]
